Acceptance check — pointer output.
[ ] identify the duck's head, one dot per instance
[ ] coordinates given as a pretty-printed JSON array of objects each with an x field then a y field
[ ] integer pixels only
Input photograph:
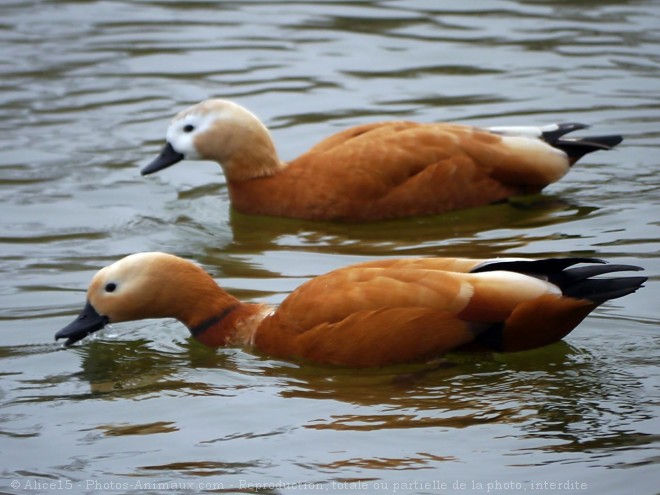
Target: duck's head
[
  {"x": 141, "y": 286},
  {"x": 221, "y": 131}
]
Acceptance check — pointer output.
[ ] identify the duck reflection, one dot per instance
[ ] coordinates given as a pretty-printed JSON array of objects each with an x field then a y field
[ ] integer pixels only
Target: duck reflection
[
  {"x": 410, "y": 236},
  {"x": 559, "y": 397}
]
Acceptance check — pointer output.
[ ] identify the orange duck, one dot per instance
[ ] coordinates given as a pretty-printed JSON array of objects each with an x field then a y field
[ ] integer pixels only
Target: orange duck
[
  {"x": 373, "y": 171},
  {"x": 370, "y": 314}
]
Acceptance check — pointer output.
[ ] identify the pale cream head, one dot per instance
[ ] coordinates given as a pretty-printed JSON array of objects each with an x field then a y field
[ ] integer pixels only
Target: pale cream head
[
  {"x": 147, "y": 285},
  {"x": 227, "y": 133}
]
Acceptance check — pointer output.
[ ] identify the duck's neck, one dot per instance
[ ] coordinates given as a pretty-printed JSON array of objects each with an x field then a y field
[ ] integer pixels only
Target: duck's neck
[
  {"x": 250, "y": 162},
  {"x": 233, "y": 323},
  {"x": 213, "y": 316},
  {"x": 242, "y": 145}
]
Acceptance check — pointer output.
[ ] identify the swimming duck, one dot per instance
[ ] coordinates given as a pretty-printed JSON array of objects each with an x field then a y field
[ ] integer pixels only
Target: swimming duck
[
  {"x": 370, "y": 314},
  {"x": 380, "y": 170}
]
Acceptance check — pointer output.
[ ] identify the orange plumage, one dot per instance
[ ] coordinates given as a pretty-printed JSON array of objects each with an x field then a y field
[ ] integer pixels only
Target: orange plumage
[
  {"x": 373, "y": 171},
  {"x": 371, "y": 314}
]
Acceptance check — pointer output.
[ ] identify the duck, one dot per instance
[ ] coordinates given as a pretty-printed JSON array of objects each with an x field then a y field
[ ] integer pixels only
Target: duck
[
  {"x": 375, "y": 171},
  {"x": 376, "y": 313}
]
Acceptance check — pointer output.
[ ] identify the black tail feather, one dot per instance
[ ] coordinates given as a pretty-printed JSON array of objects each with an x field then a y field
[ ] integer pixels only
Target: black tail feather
[
  {"x": 601, "y": 290},
  {"x": 574, "y": 275},
  {"x": 576, "y": 148},
  {"x": 545, "y": 266},
  {"x": 575, "y": 282},
  {"x": 551, "y": 137}
]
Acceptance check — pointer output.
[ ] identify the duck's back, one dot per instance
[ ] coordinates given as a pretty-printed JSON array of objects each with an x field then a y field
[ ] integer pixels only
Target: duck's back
[{"x": 398, "y": 169}]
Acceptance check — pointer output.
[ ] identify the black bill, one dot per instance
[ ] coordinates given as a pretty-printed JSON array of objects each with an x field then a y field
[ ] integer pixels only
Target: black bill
[
  {"x": 168, "y": 156},
  {"x": 87, "y": 322}
]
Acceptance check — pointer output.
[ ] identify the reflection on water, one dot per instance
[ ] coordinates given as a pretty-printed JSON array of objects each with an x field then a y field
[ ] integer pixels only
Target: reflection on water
[
  {"x": 456, "y": 232},
  {"x": 87, "y": 91},
  {"x": 555, "y": 401}
]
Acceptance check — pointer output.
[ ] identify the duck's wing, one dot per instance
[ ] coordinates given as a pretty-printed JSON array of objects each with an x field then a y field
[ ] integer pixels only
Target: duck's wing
[
  {"x": 400, "y": 169},
  {"x": 461, "y": 265},
  {"x": 398, "y": 150},
  {"x": 369, "y": 315},
  {"x": 532, "y": 156}
]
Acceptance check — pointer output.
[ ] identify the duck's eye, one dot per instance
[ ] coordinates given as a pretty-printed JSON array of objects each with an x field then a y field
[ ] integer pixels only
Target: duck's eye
[
  {"x": 188, "y": 128},
  {"x": 110, "y": 287}
]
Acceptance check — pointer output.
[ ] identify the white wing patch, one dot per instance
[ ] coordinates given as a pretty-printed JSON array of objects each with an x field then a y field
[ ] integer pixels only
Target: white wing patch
[
  {"x": 524, "y": 286},
  {"x": 523, "y": 131}
]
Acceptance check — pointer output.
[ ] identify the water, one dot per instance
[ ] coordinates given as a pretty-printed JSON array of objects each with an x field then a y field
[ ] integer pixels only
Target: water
[{"x": 87, "y": 91}]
